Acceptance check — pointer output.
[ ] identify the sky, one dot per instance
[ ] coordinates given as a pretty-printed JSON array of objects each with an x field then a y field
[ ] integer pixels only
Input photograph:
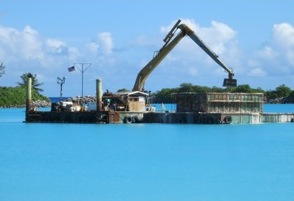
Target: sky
[{"x": 113, "y": 40}]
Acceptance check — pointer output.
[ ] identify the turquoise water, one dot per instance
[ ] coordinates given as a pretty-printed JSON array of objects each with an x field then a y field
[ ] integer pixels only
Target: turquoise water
[{"x": 128, "y": 162}]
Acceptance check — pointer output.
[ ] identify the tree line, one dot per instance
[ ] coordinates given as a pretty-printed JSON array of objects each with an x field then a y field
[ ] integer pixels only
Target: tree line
[
  {"x": 281, "y": 92},
  {"x": 16, "y": 95}
]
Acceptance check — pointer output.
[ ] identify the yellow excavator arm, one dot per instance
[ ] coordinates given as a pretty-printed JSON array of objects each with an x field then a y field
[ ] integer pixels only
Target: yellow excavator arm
[{"x": 169, "y": 45}]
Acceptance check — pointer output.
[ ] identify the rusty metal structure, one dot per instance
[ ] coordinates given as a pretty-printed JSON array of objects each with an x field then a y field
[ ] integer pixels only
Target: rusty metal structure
[{"x": 219, "y": 102}]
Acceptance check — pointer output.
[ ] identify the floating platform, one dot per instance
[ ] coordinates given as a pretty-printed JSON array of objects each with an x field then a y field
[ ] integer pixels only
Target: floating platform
[
  {"x": 113, "y": 117},
  {"x": 192, "y": 108}
]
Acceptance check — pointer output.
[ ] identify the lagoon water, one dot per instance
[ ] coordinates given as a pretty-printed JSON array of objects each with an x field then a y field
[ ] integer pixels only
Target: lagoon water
[{"x": 83, "y": 162}]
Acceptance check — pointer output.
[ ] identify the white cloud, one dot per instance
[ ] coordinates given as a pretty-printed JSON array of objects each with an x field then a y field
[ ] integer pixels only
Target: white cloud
[
  {"x": 24, "y": 44},
  {"x": 56, "y": 46},
  {"x": 257, "y": 72},
  {"x": 26, "y": 51},
  {"x": 283, "y": 35},
  {"x": 277, "y": 56},
  {"x": 102, "y": 45},
  {"x": 105, "y": 40},
  {"x": 93, "y": 47},
  {"x": 73, "y": 54},
  {"x": 106, "y": 43},
  {"x": 267, "y": 53},
  {"x": 219, "y": 37}
]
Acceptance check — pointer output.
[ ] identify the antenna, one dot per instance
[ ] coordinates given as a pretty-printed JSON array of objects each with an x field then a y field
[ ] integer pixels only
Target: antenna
[{"x": 84, "y": 67}]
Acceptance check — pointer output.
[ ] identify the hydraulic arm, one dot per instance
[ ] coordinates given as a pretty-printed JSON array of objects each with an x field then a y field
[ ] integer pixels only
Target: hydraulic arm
[{"x": 169, "y": 45}]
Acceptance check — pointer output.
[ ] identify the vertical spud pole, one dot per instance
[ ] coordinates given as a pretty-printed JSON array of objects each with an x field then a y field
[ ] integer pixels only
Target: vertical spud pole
[
  {"x": 99, "y": 94},
  {"x": 29, "y": 95}
]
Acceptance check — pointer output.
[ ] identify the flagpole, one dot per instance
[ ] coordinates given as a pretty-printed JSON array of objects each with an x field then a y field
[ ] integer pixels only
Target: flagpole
[{"x": 84, "y": 67}]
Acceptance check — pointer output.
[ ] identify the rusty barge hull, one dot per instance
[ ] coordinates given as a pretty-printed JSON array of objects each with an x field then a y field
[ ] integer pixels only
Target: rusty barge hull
[
  {"x": 90, "y": 117},
  {"x": 114, "y": 117}
]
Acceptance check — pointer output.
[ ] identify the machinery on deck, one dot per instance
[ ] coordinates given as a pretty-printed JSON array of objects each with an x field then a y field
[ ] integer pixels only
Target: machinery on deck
[
  {"x": 132, "y": 107},
  {"x": 170, "y": 43}
]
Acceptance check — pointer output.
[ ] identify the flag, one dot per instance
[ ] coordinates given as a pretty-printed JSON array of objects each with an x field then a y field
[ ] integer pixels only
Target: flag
[{"x": 70, "y": 69}]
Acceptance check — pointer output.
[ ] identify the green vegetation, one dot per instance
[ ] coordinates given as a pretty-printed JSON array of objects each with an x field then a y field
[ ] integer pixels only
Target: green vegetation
[
  {"x": 16, "y": 96},
  {"x": 280, "y": 92},
  {"x": 165, "y": 94}
]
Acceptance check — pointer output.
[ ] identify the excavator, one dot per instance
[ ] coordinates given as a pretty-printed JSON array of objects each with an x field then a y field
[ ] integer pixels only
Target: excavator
[
  {"x": 170, "y": 43},
  {"x": 135, "y": 102}
]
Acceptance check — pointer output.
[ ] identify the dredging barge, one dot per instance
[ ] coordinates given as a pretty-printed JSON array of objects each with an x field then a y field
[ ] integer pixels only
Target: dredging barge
[{"x": 192, "y": 108}]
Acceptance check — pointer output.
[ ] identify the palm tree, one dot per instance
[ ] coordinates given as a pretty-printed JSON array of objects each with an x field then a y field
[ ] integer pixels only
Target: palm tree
[{"x": 35, "y": 84}]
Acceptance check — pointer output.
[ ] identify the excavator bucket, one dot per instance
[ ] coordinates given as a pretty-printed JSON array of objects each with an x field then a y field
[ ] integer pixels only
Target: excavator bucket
[{"x": 230, "y": 82}]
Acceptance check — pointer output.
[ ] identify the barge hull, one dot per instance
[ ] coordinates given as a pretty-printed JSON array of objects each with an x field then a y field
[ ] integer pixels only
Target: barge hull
[
  {"x": 114, "y": 117},
  {"x": 192, "y": 108}
]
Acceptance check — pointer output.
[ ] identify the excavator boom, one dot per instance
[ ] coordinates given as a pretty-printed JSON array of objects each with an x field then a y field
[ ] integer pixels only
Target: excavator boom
[
  {"x": 230, "y": 82},
  {"x": 170, "y": 43},
  {"x": 166, "y": 48}
]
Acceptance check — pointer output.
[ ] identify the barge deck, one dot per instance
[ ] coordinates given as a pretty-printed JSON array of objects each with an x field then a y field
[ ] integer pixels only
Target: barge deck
[{"x": 192, "y": 108}]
